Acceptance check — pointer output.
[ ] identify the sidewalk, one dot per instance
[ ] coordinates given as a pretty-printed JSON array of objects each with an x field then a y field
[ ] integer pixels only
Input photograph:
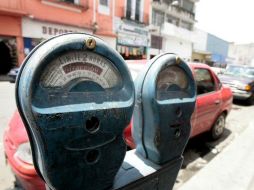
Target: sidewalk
[{"x": 232, "y": 169}]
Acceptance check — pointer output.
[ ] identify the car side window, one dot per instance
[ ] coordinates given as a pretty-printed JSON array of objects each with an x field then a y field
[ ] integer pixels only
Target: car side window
[
  {"x": 218, "y": 82},
  {"x": 204, "y": 80}
]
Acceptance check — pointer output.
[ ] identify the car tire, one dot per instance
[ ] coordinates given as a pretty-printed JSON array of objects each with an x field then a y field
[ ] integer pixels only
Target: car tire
[
  {"x": 17, "y": 184},
  {"x": 250, "y": 100},
  {"x": 218, "y": 127}
]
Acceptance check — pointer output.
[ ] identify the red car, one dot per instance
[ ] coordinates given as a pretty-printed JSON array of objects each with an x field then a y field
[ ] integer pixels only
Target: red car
[
  {"x": 214, "y": 102},
  {"x": 19, "y": 155},
  {"x": 213, "y": 105}
]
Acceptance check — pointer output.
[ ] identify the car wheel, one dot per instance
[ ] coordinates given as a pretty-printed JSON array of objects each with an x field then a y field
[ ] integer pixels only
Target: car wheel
[
  {"x": 250, "y": 101},
  {"x": 17, "y": 184},
  {"x": 218, "y": 127}
]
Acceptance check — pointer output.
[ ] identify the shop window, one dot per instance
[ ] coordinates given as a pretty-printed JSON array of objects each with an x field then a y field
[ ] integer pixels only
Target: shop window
[
  {"x": 172, "y": 20},
  {"x": 186, "y": 25},
  {"x": 128, "y": 9},
  {"x": 30, "y": 43},
  {"x": 157, "y": 18},
  {"x": 135, "y": 10},
  {"x": 189, "y": 6},
  {"x": 103, "y": 7},
  {"x": 130, "y": 52},
  {"x": 204, "y": 81},
  {"x": 156, "y": 42},
  {"x": 72, "y": 1},
  {"x": 104, "y": 2}
]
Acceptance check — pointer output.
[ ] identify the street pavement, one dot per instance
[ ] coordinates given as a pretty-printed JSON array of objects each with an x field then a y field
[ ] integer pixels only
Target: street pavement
[
  {"x": 198, "y": 154},
  {"x": 231, "y": 169}
]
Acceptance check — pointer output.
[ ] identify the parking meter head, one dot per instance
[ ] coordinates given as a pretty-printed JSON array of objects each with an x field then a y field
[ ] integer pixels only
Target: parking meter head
[
  {"x": 165, "y": 101},
  {"x": 76, "y": 96}
]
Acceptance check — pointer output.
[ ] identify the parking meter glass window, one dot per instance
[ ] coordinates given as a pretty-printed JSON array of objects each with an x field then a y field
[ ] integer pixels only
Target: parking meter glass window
[
  {"x": 77, "y": 70},
  {"x": 172, "y": 79}
]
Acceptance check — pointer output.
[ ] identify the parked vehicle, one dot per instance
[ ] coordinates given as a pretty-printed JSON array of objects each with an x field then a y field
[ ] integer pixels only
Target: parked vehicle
[
  {"x": 213, "y": 105},
  {"x": 19, "y": 156},
  {"x": 214, "y": 102},
  {"x": 218, "y": 70},
  {"x": 13, "y": 73},
  {"x": 241, "y": 81}
]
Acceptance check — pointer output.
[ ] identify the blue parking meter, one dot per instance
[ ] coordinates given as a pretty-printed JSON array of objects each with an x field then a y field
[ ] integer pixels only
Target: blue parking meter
[
  {"x": 165, "y": 101},
  {"x": 166, "y": 96},
  {"x": 75, "y": 96}
]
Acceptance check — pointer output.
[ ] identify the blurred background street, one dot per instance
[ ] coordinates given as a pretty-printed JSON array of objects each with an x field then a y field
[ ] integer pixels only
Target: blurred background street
[{"x": 216, "y": 33}]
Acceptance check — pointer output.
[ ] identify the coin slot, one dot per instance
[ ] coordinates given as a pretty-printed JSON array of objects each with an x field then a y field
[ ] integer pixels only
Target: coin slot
[
  {"x": 176, "y": 125},
  {"x": 92, "y": 125},
  {"x": 179, "y": 112},
  {"x": 92, "y": 156},
  {"x": 177, "y": 133}
]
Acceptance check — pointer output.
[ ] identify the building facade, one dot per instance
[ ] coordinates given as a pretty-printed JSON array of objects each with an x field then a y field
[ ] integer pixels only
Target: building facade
[
  {"x": 25, "y": 23},
  {"x": 199, "y": 52},
  {"x": 131, "y": 27},
  {"x": 11, "y": 41},
  {"x": 171, "y": 27},
  {"x": 241, "y": 54},
  {"x": 209, "y": 49},
  {"x": 218, "y": 48}
]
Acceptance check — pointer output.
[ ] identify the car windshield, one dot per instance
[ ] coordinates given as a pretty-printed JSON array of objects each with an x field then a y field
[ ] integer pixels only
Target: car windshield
[{"x": 240, "y": 71}]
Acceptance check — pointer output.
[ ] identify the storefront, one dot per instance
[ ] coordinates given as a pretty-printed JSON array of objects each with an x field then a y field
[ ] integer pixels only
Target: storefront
[
  {"x": 34, "y": 31},
  {"x": 132, "y": 40},
  {"x": 201, "y": 56},
  {"x": 10, "y": 42}
]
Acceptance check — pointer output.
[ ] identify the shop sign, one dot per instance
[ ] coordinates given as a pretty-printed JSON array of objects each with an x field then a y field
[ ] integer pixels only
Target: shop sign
[
  {"x": 132, "y": 40},
  {"x": 124, "y": 27},
  {"x": 38, "y": 29}
]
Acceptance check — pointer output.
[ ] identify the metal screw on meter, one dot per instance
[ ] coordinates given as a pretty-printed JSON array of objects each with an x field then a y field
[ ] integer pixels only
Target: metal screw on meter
[
  {"x": 90, "y": 43},
  {"x": 178, "y": 60}
]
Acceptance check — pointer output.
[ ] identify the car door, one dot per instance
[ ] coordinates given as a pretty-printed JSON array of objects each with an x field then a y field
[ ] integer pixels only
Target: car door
[{"x": 208, "y": 101}]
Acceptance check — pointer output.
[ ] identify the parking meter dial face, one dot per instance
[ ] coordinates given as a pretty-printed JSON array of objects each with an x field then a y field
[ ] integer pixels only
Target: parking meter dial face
[
  {"x": 166, "y": 95},
  {"x": 76, "y": 66},
  {"x": 171, "y": 79},
  {"x": 75, "y": 102}
]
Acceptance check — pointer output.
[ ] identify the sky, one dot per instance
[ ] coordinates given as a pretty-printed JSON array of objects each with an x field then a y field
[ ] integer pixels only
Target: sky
[{"x": 231, "y": 20}]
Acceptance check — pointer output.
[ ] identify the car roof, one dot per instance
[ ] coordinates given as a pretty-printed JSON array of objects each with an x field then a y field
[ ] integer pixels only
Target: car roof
[
  {"x": 239, "y": 65},
  {"x": 198, "y": 65}
]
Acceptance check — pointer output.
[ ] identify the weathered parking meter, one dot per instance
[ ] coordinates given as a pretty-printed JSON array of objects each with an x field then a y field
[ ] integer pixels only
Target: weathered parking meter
[
  {"x": 166, "y": 97},
  {"x": 76, "y": 96},
  {"x": 165, "y": 101}
]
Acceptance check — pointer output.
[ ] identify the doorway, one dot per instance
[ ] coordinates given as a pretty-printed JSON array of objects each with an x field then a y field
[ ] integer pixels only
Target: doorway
[{"x": 5, "y": 58}]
